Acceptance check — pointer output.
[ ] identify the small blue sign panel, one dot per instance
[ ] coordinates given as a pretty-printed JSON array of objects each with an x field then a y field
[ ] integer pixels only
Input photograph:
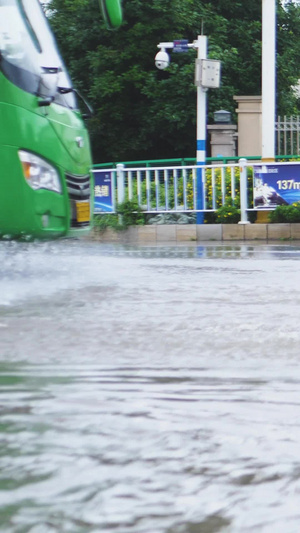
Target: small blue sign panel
[
  {"x": 103, "y": 202},
  {"x": 276, "y": 185},
  {"x": 181, "y": 45}
]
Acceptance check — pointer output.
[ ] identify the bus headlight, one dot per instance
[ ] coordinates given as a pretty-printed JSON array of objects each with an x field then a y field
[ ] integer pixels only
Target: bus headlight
[{"x": 38, "y": 173}]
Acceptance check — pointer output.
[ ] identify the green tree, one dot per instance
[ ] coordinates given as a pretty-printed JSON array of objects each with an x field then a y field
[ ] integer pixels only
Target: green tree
[{"x": 143, "y": 113}]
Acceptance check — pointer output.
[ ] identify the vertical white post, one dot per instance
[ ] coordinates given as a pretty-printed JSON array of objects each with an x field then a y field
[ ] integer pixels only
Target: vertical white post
[
  {"x": 120, "y": 187},
  {"x": 268, "y": 78},
  {"x": 120, "y": 183},
  {"x": 201, "y": 129},
  {"x": 243, "y": 191}
]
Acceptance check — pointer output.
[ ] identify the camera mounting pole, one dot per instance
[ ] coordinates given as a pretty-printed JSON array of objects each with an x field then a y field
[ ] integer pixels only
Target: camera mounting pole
[{"x": 207, "y": 75}]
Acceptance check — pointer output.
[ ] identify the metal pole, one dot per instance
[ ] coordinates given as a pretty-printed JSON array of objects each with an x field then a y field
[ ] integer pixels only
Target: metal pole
[
  {"x": 120, "y": 183},
  {"x": 201, "y": 130},
  {"x": 268, "y": 78},
  {"x": 120, "y": 187},
  {"x": 243, "y": 191}
]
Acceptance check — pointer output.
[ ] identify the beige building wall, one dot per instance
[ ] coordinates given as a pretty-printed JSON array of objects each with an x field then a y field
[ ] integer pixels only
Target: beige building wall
[{"x": 249, "y": 125}]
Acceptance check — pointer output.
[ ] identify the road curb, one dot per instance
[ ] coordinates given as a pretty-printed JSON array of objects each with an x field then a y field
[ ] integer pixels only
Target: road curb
[{"x": 203, "y": 232}]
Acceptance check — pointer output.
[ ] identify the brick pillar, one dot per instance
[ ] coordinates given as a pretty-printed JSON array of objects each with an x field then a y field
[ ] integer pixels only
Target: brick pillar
[
  {"x": 249, "y": 125},
  {"x": 222, "y": 140}
]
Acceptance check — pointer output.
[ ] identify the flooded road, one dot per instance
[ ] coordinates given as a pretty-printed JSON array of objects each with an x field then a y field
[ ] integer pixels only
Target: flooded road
[{"x": 149, "y": 389}]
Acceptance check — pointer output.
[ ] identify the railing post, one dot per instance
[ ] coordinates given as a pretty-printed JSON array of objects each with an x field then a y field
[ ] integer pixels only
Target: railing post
[
  {"x": 243, "y": 191},
  {"x": 120, "y": 187},
  {"x": 120, "y": 182}
]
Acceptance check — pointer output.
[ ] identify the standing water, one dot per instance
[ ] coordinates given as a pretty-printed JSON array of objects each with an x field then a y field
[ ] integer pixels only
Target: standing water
[{"x": 149, "y": 389}]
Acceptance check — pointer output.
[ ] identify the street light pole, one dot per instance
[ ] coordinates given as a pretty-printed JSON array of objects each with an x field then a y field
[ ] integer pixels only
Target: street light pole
[
  {"x": 268, "y": 78},
  {"x": 201, "y": 129}
]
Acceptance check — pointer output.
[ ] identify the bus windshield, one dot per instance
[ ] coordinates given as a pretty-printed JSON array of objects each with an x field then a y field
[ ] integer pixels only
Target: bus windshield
[{"x": 28, "y": 53}]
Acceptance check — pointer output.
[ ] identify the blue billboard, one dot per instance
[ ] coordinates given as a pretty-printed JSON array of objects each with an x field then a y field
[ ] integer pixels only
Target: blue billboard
[
  {"x": 103, "y": 202},
  {"x": 276, "y": 185}
]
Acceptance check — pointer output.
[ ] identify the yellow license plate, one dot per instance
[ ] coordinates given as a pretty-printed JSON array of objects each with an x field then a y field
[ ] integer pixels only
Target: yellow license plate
[{"x": 82, "y": 211}]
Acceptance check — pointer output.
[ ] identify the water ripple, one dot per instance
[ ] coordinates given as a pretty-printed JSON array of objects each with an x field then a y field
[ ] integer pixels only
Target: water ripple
[{"x": 148, "y": 390}]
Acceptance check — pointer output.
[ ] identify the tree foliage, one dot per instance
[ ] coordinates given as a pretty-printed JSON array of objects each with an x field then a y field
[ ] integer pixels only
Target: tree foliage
[{"x": 143, "y": 113}]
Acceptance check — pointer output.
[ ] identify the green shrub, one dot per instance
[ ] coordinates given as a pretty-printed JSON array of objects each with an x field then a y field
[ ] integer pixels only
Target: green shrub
[
  {"x": 101, "y": 222},
  {"x": 228, "y": 213},
  {"x": 285, "y": 213},
  {"x": 131, "y": 214},
  {"x": 128, "y": 213},
  {"x": 210, "y": 217}
]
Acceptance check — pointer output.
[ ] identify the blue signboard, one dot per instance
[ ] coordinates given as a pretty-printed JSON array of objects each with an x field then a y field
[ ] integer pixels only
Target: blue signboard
[
  {"x": 103, "y": 192},
  {"x": 180, "y": 45},
  {"x": 276, "y": 185}
]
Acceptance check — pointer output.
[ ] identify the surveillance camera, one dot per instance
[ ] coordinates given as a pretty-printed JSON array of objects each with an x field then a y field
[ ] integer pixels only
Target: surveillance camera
[{"x": 162, "y": 60}]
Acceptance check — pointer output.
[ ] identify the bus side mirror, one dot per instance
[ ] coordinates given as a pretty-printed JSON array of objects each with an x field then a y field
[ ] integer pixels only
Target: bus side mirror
[{"x": 112, "y": 13}]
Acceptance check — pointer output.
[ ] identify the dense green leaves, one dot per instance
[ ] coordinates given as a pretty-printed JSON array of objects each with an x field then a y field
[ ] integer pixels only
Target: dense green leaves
[{"x": 143, "y": 113}]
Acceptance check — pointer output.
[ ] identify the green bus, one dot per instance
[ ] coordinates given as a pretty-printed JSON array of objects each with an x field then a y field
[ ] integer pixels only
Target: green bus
[{"x": 46, "y": 187}]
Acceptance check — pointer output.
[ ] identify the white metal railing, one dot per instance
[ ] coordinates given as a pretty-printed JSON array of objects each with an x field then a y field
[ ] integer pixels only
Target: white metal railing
[
  {"x": 174, "y": 188},
  {"x": 288, "y": 135},
  {"x": 178, "y": 188}
]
